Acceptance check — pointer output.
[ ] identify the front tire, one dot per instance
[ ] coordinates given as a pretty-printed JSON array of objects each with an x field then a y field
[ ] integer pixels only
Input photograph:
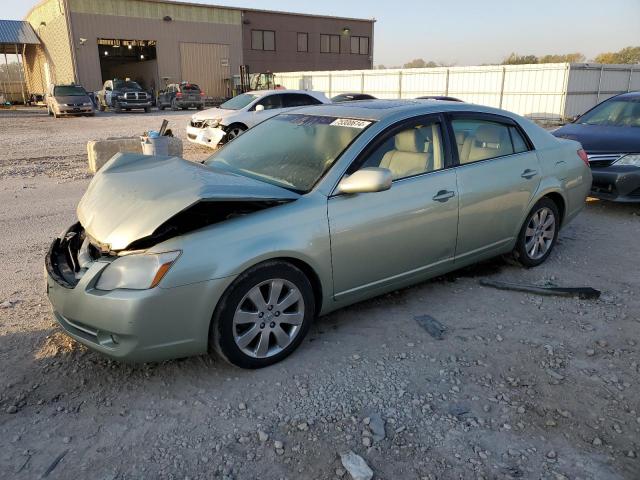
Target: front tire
[
  {"x": 235, "y": 131},
  {"x": 263, "y": 316},
  {"x": 539, "y": 234}
]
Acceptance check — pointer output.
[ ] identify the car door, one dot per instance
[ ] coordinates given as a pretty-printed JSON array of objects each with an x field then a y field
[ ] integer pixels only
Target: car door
[
  {"x": 387, "y": 239},
  {"x": 498, "y": 174}
]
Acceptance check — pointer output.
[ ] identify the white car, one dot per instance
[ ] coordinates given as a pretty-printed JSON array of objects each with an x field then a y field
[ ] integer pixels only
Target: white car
[{"x": 224, "y": 123}]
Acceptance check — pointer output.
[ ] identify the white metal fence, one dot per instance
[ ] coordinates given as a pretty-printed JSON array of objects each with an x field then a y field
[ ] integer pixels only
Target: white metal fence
[{"x": 548, "y": 92}]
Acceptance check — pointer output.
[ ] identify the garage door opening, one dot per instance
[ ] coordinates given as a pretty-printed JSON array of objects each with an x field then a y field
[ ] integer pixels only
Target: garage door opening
[{"x": 133, "y": 59}]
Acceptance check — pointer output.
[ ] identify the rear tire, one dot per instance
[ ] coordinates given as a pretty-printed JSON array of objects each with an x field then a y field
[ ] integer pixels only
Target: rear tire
[
  {"x": 539, "y": 234},
  {"x": 255, "y": 334}
]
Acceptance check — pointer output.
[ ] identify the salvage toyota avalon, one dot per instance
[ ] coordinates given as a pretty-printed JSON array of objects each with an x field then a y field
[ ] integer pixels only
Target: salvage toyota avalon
[{"x": 307, "y": 212}]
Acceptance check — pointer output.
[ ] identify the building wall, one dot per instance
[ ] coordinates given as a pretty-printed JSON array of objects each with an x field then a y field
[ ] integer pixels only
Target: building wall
[
  {"x": 168, "y": 36},
  {"x": 286, "y": 57},
  {"x": 54, "y": 54},
  {"x": 61, "y": 24}
]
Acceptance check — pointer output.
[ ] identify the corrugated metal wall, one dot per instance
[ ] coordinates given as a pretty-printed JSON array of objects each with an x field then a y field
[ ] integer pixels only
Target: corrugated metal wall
[
  {"x": 206, "y": 64},
  {"x": 591, "y": 84},
  {"x": 52, "y": 61},
  {"x": 551, "y": 92},
  {"x": 168, "y": 36}
]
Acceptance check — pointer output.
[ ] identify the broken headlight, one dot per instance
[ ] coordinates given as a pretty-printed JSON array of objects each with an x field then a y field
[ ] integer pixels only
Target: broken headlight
[
  {"x": 136, "y": 271},
  {"x": 212, "y": 123}
]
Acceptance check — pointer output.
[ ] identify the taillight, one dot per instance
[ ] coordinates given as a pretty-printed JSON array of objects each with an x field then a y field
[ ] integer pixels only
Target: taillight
[
  {"x": 179, "y": 94},
  {"x": 583, "y": 155}
]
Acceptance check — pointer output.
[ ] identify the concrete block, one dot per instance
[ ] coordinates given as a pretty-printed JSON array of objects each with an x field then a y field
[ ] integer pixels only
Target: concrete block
[{"x": 101, "y": 151}]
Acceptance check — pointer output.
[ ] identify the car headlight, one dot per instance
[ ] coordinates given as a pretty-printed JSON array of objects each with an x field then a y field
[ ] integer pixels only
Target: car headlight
[
  {"x": 212, "y": 123},
  {"x": 120, "y": 97},
  {"x": 136, "y": 271},
  {"x": 631, "y": 159},
  {"x": 87, "y": 104}
]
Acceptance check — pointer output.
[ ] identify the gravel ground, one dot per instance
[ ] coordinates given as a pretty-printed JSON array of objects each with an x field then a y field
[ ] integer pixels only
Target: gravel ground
[{"x": 521, "y": 386}]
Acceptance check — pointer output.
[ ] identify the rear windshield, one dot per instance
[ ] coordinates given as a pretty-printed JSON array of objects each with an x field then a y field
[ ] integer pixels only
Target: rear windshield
[
  {"x": 69, "y": 91},
  {"x": 239, "y": 102},
  {"x": 622, "y": 112},
  {"x": 122, "y": 84},
  {"x": 190, "y": 88},
  {"x": 291, "y": 151}
]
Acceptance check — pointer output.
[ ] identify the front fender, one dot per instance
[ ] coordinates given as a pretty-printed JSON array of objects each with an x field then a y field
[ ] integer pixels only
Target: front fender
[{"x": 297, "y": 230}]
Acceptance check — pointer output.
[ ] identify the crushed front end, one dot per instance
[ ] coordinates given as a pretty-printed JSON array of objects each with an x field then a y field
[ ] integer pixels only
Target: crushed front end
[{"x": 130, "y": 325}]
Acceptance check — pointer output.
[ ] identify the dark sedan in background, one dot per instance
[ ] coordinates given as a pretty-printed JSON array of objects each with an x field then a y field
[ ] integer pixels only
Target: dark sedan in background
[
  {"x": 610, "y": 134},
  {"x": 352, "y": 97}
]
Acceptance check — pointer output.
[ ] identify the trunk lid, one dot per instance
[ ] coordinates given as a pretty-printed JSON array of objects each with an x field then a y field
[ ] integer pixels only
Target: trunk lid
[{"x": 133, "y": 195}]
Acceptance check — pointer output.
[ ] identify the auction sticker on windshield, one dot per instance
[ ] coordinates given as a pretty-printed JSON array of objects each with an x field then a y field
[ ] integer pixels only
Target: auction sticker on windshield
[{"x": 348, "y": 122}]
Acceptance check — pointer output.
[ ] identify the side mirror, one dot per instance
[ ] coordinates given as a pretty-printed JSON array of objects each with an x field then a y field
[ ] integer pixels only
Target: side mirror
[
  {"x": 366, "y": 180},
  {"x": 259, "y": 108}
]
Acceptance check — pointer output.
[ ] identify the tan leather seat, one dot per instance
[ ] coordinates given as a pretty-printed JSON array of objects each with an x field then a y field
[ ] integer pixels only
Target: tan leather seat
[
  {"x": 409, "y": 156},
  {"x": 488, "y": 141}
]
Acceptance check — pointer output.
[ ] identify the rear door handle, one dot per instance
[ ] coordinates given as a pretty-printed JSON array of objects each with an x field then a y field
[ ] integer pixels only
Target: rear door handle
[
  {"x": 528, "y": 173},
  {"x": 444, "y": 196}
]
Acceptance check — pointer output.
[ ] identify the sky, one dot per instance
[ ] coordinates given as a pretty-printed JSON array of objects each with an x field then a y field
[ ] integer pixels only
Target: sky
[{"x": 464, "y": 32}]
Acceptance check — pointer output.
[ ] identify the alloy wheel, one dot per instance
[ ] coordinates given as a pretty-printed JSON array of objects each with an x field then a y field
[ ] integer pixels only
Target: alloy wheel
[
  {"x": 234, "y": 132},
  {"x": 268, "y": 318},
  {"x": 540, "y": 233}
]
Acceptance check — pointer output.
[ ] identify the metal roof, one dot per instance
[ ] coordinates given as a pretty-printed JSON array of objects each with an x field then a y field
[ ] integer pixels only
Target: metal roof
[{"x": 17, "y": 32}]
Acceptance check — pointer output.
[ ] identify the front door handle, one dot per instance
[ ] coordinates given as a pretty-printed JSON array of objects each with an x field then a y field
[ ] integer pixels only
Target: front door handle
[
  {"x": 444, "y": 196},
  {"x": 528, "y": 174}
]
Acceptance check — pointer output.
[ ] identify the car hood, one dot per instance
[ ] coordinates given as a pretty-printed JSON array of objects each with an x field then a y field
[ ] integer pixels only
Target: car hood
[
  {"x": 63, "y": 99},
  {"x": 602, "y": 139},
  {"x": 214, "y": 113},
  {"x": 133, "y": 195}
]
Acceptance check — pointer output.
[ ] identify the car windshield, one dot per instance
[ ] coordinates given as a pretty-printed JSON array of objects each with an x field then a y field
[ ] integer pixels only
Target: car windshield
[
  {"x": 291, "y": 151},
  {"x": 623, "y": 112},
  {"x": 241, "y": 101},
  {"x": 69, "y": 91},
  {"x": 122, "y": 84}
]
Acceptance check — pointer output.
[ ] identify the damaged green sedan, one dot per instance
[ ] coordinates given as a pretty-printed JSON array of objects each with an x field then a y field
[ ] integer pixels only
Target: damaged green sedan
[{"x": 307, "y": 212}]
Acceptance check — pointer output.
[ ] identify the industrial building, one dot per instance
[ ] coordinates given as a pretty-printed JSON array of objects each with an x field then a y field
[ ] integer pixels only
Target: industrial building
[{"x": 157, "y": 41}]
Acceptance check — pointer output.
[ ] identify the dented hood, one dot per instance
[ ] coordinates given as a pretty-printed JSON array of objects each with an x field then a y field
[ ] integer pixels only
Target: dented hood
[{"x": 133, "y": 195}]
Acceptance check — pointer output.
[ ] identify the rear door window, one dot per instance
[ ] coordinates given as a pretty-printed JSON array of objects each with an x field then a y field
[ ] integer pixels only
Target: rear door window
[
  {"x": 299, "y": 100},
  {"x": 481, "y": 139}
]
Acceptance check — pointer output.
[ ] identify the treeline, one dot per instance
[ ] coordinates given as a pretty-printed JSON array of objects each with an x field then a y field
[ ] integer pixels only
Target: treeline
[{"x": 628, "y": 55}]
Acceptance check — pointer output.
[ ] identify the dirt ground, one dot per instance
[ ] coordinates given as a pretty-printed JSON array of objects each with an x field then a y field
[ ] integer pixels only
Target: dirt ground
[{"x": 521, "y": 386}]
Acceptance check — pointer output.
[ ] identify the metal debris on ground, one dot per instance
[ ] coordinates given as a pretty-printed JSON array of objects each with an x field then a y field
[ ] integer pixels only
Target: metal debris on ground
[
  {"x": 54, "y": 464},
  {"x": 432, "y": 326},
  {"x": 584, "y": 293}
]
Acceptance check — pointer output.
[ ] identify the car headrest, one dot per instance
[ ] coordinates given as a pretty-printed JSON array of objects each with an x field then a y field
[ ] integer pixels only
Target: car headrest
[
  {"x": 407, "y": 141},
  {"x": 489, "y": 136}
]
